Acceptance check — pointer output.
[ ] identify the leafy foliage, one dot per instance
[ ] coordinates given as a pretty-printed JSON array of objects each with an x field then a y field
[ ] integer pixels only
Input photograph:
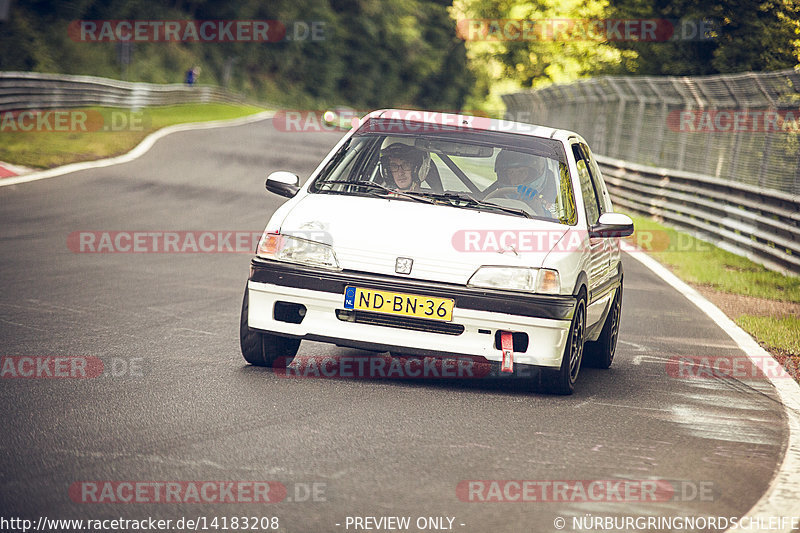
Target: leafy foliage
[
  {"x": 712, "y": 36},
  {"x": 373, "y": 53},
  {"x": 744, "y": 35},
  {"x": 379, "y": 54},
  {"x": 504, "y": 65}
]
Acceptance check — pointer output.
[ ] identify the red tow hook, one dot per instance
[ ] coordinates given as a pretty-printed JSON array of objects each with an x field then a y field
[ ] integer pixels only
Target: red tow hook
[{"x": 507, "y": 345}]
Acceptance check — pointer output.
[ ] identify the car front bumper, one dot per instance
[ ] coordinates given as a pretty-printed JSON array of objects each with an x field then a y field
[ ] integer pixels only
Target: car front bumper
[{"x": 478, "y": 315}]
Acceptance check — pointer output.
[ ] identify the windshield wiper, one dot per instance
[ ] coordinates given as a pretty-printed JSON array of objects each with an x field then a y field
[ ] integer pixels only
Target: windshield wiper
[
  {"x": 474, "y": 202},
  {"x": 373, "y": 185}
]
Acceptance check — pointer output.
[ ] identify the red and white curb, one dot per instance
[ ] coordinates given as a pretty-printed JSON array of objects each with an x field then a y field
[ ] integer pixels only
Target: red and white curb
[{"x": 7, "y": 170}]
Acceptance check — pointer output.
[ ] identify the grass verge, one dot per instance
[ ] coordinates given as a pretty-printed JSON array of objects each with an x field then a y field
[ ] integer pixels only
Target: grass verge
[
  {"x": 701, "y": 263},
  {"x": 764, "y": 303},
  {"x": 85, "y": 134},
  {"x": 781, "y": 332}
]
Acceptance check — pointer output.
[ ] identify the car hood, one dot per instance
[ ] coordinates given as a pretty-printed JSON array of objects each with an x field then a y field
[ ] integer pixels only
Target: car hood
[{"x": 447, "y": 244}]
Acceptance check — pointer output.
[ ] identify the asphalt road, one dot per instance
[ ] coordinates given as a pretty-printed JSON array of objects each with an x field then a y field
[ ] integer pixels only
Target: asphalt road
[{"x": 377, "y": 447}]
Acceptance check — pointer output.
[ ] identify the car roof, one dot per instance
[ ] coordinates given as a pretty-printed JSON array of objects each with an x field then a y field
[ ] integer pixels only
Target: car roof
[{"x": 474, "y": 122}]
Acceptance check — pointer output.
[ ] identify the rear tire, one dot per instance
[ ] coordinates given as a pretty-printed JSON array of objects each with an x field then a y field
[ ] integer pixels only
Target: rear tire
[
  {"x": 562, "y": 381},
  {"x": 600, "y": 353},
  {"x": 264, "y": 349}
]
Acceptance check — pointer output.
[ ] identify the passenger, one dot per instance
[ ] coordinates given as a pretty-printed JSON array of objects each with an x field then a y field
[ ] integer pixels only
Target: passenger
[
  {"x": 402, "y": 165},
  {"x": 529, "y": 178}
]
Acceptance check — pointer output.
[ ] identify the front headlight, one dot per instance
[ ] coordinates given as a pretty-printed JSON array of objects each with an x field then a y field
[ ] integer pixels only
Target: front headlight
[
  {"x": 539, "y": 280},
  {"x": 295, "y": 250}
]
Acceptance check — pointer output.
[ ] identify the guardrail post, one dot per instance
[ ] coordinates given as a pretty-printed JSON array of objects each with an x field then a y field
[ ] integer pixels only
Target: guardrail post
[
  {"x": 710, "y": 103},
  {"x": 762, "y": 170},
  {"x": 682, "y": 86},
  {"x": 637, "y": 126},
  {"x": 658, "y": 139},
  {"x": 733, "y": 151},
  {"x": 615, "y": 149},
  {"x": 600, "y": 117}
]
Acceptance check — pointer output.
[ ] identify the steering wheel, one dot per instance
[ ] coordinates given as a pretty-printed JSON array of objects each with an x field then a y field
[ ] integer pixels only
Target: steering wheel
[{"x": 511, "y": 193}]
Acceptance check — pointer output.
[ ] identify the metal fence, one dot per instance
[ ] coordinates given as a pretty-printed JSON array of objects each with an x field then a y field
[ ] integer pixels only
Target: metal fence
[
  {"x": 676, "y": 149},
  {"x": 743, "y": 128},
  {"x": 32, "y": 90}
]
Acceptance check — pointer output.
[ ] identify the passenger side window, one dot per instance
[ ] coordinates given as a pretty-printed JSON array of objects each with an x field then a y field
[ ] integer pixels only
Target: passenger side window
[
  {"x": 587, "y": 187},
  {"x": 599, "y": 186}
]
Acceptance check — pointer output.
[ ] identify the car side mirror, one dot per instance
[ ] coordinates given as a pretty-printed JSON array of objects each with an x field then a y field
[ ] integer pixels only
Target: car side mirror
[
  {"x": 283, "y": 183},
  {"x": 612, "y": 225}
]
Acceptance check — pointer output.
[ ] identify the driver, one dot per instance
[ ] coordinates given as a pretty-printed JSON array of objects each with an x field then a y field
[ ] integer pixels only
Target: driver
[
  {"x": 402, "y": 166},
  {"x": 528, "y": 175}
]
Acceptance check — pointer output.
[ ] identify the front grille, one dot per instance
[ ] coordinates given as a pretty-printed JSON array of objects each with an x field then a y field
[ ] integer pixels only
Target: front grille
[{"x": 402, "y": 322}]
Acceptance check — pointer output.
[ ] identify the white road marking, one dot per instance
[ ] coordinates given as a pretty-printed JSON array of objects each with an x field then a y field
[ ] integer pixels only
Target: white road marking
[
  {"x": 137, "y": 152},
  {"x": 782, "y": 498},
  {"x": 22, "y": 325},
  {"x": 638, "y": 347},
  {"x": 623, "y": 407},
  {"x": 647, "y": 358},
  {"x": 197, "y": 331}
]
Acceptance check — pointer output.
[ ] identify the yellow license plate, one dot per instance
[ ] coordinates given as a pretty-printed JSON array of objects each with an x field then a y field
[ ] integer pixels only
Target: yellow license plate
[{"x": 395, "y": 303}]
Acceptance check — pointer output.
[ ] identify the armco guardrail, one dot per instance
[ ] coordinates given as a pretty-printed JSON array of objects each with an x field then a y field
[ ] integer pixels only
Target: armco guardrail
[
  {"x": 33, "y": 90},
  {"x": 758, "y": 223}
]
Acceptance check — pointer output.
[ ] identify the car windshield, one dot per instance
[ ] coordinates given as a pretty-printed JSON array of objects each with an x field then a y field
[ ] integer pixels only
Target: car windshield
[{"x": 512, "y": 174}]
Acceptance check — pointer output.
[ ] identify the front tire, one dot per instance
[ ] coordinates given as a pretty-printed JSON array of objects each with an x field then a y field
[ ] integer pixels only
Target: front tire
[
  {"x": 264, "y": 349},
  {"x": 600, "y": 353},
  {"x": 562, "y": 381}
]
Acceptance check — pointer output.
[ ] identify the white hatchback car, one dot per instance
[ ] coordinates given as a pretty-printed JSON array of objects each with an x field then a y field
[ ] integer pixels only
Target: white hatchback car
[{"x": 430, "y": 234}]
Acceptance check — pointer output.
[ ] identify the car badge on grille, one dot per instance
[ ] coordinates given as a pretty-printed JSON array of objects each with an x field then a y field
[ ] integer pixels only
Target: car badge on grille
[{"x": 403, "y": 265}]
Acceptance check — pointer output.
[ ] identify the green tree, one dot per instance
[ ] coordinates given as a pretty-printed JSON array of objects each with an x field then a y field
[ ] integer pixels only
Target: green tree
[
  {"x": 505, "y": 61},
  {"x": 374, "y": 53},
  {"x": 742, "y": 35}
]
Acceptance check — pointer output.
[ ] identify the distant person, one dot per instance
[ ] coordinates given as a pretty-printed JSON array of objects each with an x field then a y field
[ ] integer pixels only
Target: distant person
[{"x": 192, "y": 74}]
